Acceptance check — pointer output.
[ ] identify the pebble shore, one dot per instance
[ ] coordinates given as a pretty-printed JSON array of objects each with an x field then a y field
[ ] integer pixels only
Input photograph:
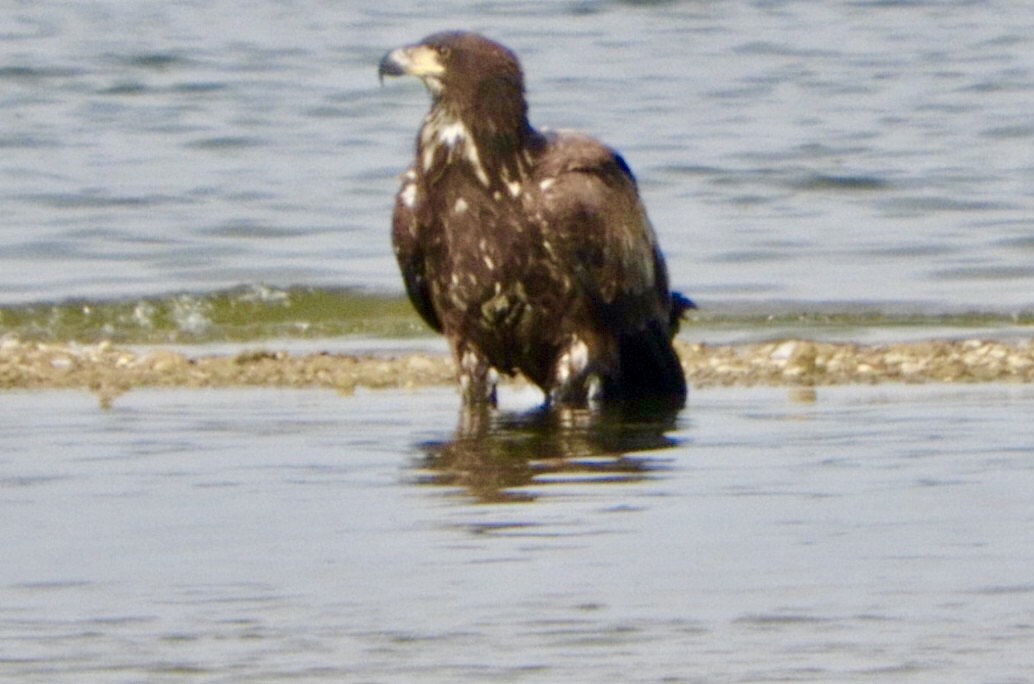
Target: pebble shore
[{"x": 109, "y": 370}]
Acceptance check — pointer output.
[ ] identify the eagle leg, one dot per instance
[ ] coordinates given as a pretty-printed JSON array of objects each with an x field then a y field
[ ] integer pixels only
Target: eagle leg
[
  {"x": 575, "y": 380},
  {"x": 478, "y": 379}
]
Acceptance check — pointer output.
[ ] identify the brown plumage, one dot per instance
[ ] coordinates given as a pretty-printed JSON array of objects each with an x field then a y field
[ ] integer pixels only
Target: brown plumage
[{"x": 530, "y": 251}]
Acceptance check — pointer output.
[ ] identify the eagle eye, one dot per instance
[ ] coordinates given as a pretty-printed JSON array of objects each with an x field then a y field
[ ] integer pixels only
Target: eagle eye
[{"x": 444, "y": 51}]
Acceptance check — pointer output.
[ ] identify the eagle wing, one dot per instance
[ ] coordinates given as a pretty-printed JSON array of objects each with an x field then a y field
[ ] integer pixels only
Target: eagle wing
[
  {"x": 409, "y": 243},
  {"x": 592, "y": 206}
]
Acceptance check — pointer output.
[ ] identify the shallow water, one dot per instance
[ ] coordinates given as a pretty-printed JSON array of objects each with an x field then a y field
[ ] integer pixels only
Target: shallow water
[
  {"x": 877, "y": 534},
  {"x": 844, "y": 151},
  {"x": 340, "y": 318}
]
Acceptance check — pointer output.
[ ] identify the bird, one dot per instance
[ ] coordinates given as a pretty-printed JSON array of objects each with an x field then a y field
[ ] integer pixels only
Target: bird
[{"x": 530, "y": 250}]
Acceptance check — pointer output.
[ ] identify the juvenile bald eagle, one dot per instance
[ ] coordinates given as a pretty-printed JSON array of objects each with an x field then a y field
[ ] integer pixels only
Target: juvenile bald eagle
[{"x": 530, "y": 251}]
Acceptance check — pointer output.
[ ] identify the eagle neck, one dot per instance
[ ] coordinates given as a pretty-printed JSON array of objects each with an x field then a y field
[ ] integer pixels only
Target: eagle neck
[{"x": 495, "y": 149}]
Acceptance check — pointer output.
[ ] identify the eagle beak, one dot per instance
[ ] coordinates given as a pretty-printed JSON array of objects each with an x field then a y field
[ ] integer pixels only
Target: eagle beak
[{"x": 415, "y": 60}]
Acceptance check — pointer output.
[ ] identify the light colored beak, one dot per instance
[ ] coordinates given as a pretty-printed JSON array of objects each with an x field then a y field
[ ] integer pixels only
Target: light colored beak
[{"x": 414, "y": 60}]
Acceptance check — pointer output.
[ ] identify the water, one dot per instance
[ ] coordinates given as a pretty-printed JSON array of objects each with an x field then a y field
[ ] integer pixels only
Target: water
[
  {"x": 845, "y": 152},
  {"x": 263, "y": 536}
]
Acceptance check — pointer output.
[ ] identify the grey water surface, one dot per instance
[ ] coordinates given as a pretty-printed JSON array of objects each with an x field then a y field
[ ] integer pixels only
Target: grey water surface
[
  {"x": 876, "y": 534},
  {"x": 845, "y": 151}
]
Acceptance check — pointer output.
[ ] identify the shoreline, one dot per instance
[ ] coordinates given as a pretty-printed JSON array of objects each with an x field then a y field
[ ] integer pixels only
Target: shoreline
[{"x": 109, "y": 370}]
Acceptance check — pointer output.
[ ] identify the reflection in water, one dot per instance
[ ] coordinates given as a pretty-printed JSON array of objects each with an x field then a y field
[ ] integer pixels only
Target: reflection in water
[{"x": 494, "y": 452}]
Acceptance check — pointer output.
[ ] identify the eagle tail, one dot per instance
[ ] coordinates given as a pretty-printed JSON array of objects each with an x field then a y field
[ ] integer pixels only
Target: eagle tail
[{"x": 650, "y": 368}]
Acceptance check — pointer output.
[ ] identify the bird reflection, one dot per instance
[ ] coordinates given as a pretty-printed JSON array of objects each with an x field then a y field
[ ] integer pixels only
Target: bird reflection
[{"x": 495, "y": 455}]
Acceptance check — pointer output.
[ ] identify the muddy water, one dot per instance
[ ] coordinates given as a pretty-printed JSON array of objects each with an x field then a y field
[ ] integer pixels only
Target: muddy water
[{"x": 876, "y": 534}]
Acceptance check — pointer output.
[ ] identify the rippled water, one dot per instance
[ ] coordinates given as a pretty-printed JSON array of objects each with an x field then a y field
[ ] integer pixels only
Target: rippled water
[
  {"x": 849, "y": 151},
  {"x": 261, "y": 536}
]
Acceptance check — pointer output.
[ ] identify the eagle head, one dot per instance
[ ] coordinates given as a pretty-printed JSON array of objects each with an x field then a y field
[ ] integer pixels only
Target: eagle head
[{"x": 462, "y": 69}]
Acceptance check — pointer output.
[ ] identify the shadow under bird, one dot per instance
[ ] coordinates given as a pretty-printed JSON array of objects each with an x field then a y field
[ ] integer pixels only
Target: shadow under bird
[{"x": 529, "y": 250}]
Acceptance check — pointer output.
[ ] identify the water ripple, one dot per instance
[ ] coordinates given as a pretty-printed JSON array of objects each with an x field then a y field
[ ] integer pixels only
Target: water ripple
[{"x": 855, "y": 137}]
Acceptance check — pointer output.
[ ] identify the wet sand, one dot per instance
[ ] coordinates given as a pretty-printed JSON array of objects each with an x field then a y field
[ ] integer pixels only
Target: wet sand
[{"x": 110, "y": 370}]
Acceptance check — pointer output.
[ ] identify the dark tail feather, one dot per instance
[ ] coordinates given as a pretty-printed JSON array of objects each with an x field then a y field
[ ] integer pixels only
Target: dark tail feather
[{"x": 650, "y": 369}]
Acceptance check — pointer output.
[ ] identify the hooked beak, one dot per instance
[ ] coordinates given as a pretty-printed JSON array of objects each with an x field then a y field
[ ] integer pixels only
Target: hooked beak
[{"x": 414, "y": 60}]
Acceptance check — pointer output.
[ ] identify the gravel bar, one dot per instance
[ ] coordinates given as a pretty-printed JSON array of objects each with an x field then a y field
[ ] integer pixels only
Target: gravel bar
[{"x": 110, "y": 370}]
